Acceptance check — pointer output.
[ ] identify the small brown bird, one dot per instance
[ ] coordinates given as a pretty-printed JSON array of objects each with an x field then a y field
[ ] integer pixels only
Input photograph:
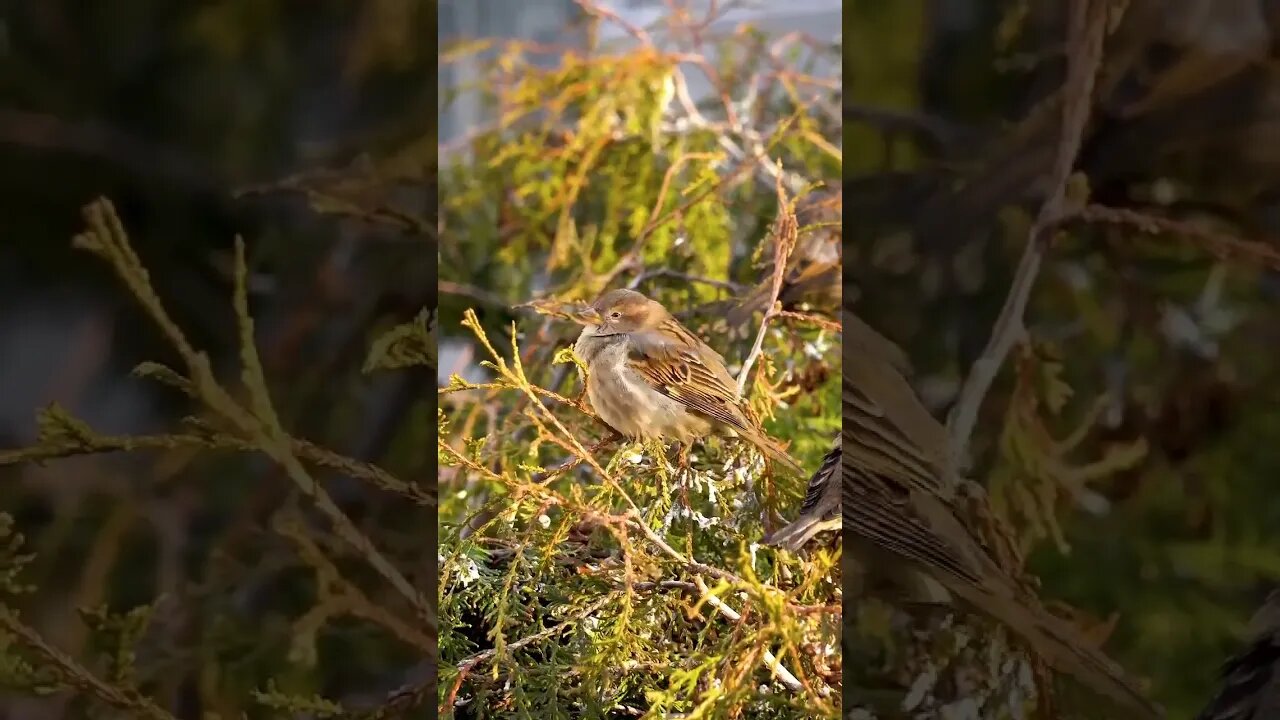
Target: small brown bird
[
  {"x": 821, "y": 509},
  {"x": 648, "y": 377},
  {"x": 898, "y": 505},
  {"x": 1251, "y": 680}
]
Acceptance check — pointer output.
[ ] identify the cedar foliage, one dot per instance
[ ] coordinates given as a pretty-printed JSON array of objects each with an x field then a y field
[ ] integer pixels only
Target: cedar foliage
[
  {"x": 1127, "y": 443},
  {"x": 257, "y": 551},
  {"x": 240, "y": 418},
  {"x": 607, "y": 583}
]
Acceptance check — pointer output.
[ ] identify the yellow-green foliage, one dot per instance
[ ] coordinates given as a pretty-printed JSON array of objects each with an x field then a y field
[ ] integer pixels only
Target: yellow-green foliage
[
  {"x": 601, "y": 582},
  {"x": 240, "y": 418}
]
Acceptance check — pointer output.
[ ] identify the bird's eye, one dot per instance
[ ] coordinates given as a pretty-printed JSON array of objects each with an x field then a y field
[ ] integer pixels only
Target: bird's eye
[{"x": 615, "y": 314}]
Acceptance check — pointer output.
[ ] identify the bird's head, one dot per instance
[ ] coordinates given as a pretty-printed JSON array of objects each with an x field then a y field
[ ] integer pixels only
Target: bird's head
[{"x": 622, "y": 311}]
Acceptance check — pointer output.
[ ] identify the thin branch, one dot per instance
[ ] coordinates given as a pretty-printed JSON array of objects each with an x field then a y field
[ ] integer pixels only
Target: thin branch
[
  {"x": 490, "y": 511},
  {"x": 771, "y": 661},
  {"x": 79, "y": 677},
  {"x": 1223, "y": 247},
  {"x": 1086, "y": 31},
  {"x": 468, "y": 664},
  {"x": 667, "y": 272},
  {"x": 936, "y": 129},
  {"x": 41, "y": 132},
  {"x": 448, "y": 287},
  {"x": 784, "y": 242},
  {"x": 54, "y": 449},
  {"x": 338, "y": 595},
  {"x": 640, "y": 34},
  {"x": 814, "y": 319}
]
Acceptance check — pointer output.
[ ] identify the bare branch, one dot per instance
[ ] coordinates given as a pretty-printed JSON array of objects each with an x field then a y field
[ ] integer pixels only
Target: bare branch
[
  {"x": 784, "y": 238},
  {"x": 1086, "y": 31}
]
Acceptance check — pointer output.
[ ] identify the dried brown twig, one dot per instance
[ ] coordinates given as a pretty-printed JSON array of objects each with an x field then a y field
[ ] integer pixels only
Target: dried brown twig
[
  {"x": 785, "y": 234},
  {"x": 1222, "y": 246}
]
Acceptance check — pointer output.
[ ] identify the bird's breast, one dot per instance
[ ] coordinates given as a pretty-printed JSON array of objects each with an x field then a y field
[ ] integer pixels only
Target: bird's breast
[{"x": 622, "y": 398}]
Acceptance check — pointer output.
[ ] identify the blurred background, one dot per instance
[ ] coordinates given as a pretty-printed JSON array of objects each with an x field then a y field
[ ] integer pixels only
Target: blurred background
[
  {"x": 561, "y": 22},
  {"x": 1160, "y": 513},
  {"x": 307, "y": 129}
]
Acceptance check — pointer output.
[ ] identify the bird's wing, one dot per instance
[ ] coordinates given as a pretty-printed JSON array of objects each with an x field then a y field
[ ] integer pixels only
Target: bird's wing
[
  {"x": 708, "y": 357},
  {"x": 821, "y": 508},
  {"x": 1250, "y": 688},
  {"x": 876, "y": 444},
  {"x": 684, "y": 369},
  {"x": 893, "y": 496},
  {"x": 877, "y": 371},
  {"x": 822, "y": 484},
  {"x": 920, "y": 527},
  {"x": 882, "y": 511}
]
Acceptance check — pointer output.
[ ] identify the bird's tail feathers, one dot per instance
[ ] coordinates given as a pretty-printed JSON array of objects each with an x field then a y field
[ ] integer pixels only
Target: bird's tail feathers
[
  {"x": 796, "y": 534},
  {"x": 776, "y": 453}
]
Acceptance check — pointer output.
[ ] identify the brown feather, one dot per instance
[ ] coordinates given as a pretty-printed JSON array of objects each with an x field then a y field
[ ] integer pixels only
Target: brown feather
[
  {"x": 895, "y": 498},
  {"x": 821, "y": 508}
]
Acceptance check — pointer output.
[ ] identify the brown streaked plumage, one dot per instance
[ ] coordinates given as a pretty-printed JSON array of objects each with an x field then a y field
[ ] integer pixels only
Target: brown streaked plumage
[
  {"x": 897, "y": 505},
  {"x": 648, "y": 377},
  {"x": 1251, "y": 680}
]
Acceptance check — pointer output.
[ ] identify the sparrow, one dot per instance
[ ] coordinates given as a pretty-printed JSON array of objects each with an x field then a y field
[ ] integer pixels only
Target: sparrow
[
  {"x": 1251, "y": 680},
  {"x": 821, "y": 508},
  {"x": 904, "y": 514},
  {"x": 650, "y": 378}
]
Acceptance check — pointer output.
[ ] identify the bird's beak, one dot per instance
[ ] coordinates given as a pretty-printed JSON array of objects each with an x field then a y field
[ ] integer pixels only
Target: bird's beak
[{"x": 590, "y": 316}]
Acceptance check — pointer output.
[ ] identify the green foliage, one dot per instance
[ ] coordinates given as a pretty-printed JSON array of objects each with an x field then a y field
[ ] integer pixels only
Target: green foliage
[
  {"x": 1036, "y": 474},
  {"x": 1128, "y": 444},
  {"x": 582, "y": 577},
  {"x": 17, "y": 672},
  {"x": 292, "y": 704},
  {"x": 243, "y": 420},
  {"x": 118, "y": 634},
  {"x": 169, "y": 109},
  {"x": 409, "y": 345}
]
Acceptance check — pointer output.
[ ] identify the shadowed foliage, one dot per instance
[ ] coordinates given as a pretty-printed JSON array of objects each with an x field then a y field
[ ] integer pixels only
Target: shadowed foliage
[{"x": 1127, "y": 443}]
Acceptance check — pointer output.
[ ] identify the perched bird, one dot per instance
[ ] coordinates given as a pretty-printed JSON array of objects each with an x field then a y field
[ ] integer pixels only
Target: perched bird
[
  {"x": 1251, "y": 680},
  {"x": 897, "y": 504},
  {"x": 648, "y": 377},
  {"x": 821, "y": 509}
]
